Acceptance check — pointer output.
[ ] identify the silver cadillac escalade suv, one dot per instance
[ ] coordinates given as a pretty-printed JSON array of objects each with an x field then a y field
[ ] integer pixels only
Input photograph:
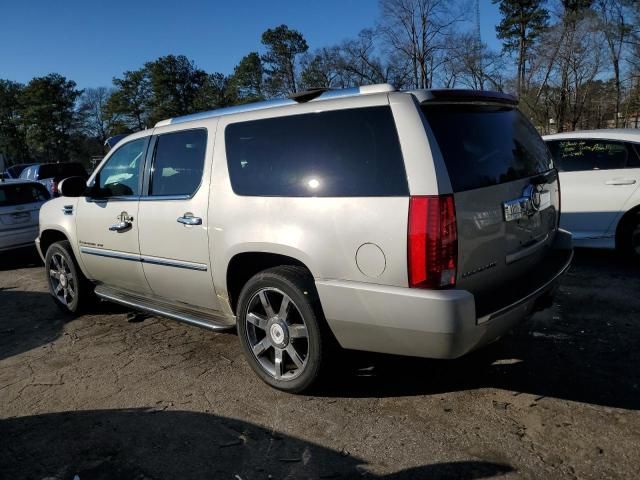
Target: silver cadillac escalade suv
[{"x": 420, "y": 223}]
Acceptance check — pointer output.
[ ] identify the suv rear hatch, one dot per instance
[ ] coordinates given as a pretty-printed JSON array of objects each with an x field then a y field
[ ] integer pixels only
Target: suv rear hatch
[{"x": 506, "y": 196}]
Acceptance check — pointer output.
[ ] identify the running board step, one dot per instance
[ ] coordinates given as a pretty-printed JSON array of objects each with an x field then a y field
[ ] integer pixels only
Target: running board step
[{"x": 204, "y": 319}]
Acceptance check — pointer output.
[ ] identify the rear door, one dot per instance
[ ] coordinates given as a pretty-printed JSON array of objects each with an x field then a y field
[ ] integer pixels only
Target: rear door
[
  {"x": 498, "y": 166},
  {"x": 597, "y": 177},
  {"x": 174, "y": 226}
]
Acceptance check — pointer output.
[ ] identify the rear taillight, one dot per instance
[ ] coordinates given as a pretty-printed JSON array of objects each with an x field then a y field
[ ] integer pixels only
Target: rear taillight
[
  {"x": 432, "y": 242},
  {"x": 54, "y": 187}
]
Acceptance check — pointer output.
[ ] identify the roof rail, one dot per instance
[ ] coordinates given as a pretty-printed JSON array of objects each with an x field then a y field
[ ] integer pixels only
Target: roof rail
[{"x": 313, "y": 95}]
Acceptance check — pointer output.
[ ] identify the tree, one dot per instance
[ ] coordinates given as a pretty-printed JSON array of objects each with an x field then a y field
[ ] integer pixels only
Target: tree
[
  {"x": 246, "y": 82},
  {"x": 417, "y": 30},
  {"x": 97, "y": 121},
  {"x": 12, "y": 139},
  {"x": 131, "y": 99},
  {"x": 213, "y": 93},
  {"x": 523, "y": 21},
  {"x": 616, "y": 32},
  {"x": 48, "y": 116},
  {"x": 283, "y": 47},
  {"x": 363, "y": 64},
  {"x": 175, "y": 85},
  {"x": 324, "y": 68},
  {"x": 473, "y": 65}
]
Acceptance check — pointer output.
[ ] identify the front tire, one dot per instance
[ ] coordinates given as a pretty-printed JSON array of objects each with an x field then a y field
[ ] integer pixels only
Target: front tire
[
  {"x": 281, "y": 328},
  {"x": 68, "y": 286}
]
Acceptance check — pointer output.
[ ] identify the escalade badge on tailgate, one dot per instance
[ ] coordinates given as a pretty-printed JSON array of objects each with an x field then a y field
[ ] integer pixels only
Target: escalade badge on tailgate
[{"x": 534, "y": 199}]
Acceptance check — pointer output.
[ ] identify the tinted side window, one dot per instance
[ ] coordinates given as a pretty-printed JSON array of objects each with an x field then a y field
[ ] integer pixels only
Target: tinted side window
[
  {"x": 581, "y": 155},
  {"x": 12, "y": 194},
  {"x": 337, "y": 153},
  {"x": 121, "y": 174},
  {"x": 634, "y": 155},
  {"x": 178, "y": 163}
]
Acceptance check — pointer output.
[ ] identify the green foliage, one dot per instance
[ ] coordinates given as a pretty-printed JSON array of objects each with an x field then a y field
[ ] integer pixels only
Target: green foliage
[
  {"x": 283, "y": 47},
  {"x": 175, "y": 85},
  {"x": 131, "y": 98},
  {"x": 246, "y": 82},
  {"x": 522, "y": 20},
  {"x": 48, "y": 116},
  {"x": 12, "y": 139}
]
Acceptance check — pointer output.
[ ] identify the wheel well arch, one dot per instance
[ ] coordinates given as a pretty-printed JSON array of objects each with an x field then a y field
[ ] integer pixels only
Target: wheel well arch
[
  {"x": 245, "y": 265},
  {"x": 49, "y": 237},
  {"x": 624, "y": 222}
]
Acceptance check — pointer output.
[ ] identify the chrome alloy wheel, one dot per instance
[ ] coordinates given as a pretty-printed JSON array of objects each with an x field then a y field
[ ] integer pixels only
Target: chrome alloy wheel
[
  {"x": 277, "y": 334},
  {"x": 63, "y": 283}
]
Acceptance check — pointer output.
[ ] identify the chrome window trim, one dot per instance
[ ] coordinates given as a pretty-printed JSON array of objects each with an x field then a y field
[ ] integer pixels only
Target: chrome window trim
[
  {"x": 165, "y": 197},
  {"x": 134, "y": 257},
  {"x": 119, "y": 198}
]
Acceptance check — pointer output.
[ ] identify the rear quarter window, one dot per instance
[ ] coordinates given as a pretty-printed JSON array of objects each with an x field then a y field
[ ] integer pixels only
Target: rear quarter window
[
  {"x": 352, "y": 152},
  {"x": 485, "y": 145}
]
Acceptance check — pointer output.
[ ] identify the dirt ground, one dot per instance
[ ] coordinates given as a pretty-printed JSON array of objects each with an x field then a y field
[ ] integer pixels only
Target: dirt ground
[{"x": 102, "y": 397}]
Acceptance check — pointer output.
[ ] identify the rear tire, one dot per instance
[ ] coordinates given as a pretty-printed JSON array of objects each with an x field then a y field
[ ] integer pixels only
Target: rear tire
[
  {"x": 69, "y": 288},
  {"x": 281, "y": 328},
  {"x": 629, "y": 236}
]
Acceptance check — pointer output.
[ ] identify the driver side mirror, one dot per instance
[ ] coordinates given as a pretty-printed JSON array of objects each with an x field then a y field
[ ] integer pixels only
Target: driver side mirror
[{"x": 73, "y": 187}]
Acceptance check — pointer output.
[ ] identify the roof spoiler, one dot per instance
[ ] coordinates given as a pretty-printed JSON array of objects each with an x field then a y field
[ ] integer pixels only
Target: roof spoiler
[{"x": 458, "y": 95}]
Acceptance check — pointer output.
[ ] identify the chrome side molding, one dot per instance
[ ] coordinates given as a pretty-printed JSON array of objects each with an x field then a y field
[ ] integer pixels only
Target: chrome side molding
[{"x": 168, "y": 262}]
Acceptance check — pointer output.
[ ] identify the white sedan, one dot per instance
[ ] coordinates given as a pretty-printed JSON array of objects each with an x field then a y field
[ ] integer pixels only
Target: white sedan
[
  {"x": 600, "y": 186},
  {"x": 20, "y": 202}
]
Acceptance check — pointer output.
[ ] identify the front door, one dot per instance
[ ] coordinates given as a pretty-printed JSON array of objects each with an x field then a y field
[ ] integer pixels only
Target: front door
[
  {"x": 107, "y": 222},
  {"x": 174, "y": 238}
]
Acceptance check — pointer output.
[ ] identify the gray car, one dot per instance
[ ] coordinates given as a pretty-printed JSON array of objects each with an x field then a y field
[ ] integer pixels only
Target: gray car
[
  {"x": 20, "y": 203},
  {"x": 420, "y": 223}
]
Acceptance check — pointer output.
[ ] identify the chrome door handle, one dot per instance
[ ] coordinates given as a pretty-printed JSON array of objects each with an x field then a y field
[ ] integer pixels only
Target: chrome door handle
[
  {"x": 120, "y": 226},
  {"x": 189, "y": 219},
  {"x": 621, "y": 181}
]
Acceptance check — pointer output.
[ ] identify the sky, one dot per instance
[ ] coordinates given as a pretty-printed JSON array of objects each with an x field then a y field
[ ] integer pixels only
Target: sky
[{"x": 93, "y": 41}]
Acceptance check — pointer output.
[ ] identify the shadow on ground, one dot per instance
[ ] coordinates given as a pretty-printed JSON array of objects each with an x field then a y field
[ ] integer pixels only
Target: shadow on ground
[
  {"x": 29, "y": 319},
  {"x": 585, "y": 348},
  {"x": 21, "y": 258},
  {"x": 147, "y": 444}
]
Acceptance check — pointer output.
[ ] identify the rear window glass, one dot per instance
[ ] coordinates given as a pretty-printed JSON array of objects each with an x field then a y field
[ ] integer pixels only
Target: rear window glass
[
  {"x": 22, "y": 193},
  {"x": 580, "y": 155},
  {"x": 64, "y": 170},
  {"x": 486, "y": 145},
  {"x": 337, "y": 153}
]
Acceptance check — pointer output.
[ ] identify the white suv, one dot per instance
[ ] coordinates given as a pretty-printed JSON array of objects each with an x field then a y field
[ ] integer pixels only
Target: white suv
[{"x": 419, "y": 223}]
